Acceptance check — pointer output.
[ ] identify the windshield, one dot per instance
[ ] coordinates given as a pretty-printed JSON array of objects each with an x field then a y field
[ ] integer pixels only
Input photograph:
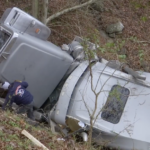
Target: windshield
[
  {"x": 115, "y": 104},
  {"x": 4, "y": 36}
]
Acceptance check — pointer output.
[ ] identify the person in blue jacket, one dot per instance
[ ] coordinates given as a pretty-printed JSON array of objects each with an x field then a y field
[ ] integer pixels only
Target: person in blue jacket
[{"x": 17, "y": 93}]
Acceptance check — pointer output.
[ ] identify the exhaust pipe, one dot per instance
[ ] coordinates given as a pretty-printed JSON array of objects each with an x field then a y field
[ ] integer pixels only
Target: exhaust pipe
[{"x": 133, "y": 73}]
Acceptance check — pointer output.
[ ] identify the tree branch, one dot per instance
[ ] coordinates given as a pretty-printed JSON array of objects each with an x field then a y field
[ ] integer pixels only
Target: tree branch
[{"x": 68, "y": 10}]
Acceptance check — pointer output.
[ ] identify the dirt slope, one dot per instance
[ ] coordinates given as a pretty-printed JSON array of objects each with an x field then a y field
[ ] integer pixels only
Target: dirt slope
[
  {"x": 134, "y": 44},
  {"x": 11, "y": 138}
]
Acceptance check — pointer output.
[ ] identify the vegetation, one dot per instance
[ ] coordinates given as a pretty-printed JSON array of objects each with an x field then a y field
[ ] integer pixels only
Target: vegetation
[
  {"x": 11, "y": 138},
  {"x": 132, "y": 47}
]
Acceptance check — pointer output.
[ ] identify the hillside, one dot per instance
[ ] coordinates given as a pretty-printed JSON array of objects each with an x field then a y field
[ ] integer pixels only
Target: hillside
[
  {"x": 11, "y": 138},
  {"x": 131, "y": 46}
]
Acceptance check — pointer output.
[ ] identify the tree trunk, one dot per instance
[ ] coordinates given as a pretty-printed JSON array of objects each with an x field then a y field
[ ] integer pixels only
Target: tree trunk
[
  {"x": 45, "y": 10},
  {"x": 35, "y": 8},
  {"x": 90, "y": 135}
]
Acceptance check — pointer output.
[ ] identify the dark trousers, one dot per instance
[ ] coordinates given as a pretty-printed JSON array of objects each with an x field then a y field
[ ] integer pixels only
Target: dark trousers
[{"x": 26, "y": 109}]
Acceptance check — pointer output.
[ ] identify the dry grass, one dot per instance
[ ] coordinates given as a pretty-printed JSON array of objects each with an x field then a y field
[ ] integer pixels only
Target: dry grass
[
  {"x": 11, "y": 138},
  {"x": 134, "y": 14},
  {"x": 65, "y": 28}
]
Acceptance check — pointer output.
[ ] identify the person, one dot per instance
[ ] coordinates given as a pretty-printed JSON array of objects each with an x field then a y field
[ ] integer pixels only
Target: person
[{"x": 17, "y": 93}]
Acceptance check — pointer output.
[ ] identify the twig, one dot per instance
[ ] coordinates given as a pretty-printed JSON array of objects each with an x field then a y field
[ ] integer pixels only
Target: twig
[{"x": 143, "y": 42}]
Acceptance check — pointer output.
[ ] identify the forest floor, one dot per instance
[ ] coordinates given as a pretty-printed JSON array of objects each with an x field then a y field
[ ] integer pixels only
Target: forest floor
[
  {"x": 132, "y": 47},
  {"x": 11, "y": 126}
]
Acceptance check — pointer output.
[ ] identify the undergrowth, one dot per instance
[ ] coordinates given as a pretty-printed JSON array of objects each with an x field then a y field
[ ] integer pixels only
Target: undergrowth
[{"x": 11, "y": 138}]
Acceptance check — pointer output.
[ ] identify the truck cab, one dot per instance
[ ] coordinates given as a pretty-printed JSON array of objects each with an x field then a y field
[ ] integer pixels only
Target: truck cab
[{"x": 25, "y": 54}]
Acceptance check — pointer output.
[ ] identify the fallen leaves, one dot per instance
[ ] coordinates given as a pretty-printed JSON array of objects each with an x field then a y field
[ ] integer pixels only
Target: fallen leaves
[{"x": 11, "y": 126}]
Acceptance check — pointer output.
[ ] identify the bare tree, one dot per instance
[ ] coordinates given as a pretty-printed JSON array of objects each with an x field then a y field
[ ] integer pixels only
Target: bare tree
[
  {"x": 35, "y": 8},
  {"x": 45, "y": 18},
  {"x": 94, "y": 111},
  {"x": 45, "y": 10}
]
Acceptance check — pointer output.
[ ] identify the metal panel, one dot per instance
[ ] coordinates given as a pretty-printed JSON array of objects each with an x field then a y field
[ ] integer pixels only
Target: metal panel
[
  {"x": 135, "y": 114},
  {"x": 40, "y": 63},
  {"x": 59, "y": 115},
  {"x": 22, "y": 22}
]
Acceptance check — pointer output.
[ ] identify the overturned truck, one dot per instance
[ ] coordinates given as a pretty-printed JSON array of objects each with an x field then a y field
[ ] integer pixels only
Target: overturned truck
[{"x": 63, "y": 87}]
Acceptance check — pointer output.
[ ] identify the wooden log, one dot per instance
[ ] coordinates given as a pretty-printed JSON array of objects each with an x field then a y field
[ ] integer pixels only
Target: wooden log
[{"x": 33, "y": 139}]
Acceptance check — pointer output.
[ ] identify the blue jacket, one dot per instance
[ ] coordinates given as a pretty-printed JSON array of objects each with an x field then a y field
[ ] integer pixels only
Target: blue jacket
[{"x": 18, "y": 94}]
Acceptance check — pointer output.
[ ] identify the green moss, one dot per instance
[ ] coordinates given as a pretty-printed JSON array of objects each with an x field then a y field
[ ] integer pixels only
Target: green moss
[{"x": 144, "y": 18}]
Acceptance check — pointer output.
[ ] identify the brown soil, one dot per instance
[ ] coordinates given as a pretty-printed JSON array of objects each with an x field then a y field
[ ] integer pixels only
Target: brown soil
[{"x": 135, "y": 16}]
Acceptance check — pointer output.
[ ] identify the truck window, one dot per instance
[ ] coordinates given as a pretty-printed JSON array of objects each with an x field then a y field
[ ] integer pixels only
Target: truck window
[
  {"x": 115, "y": 104},
  {"x": 4, "y": 36}
]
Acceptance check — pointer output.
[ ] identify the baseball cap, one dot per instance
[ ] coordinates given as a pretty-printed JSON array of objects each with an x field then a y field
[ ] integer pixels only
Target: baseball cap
[{"x": 5, "y": 85}]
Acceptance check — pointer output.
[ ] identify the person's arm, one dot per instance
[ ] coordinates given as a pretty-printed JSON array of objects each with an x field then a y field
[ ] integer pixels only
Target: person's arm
[
  {"x": 11, "y": 101},
  {"x": 6, "y": 102},
  {"x": 9, "y": 97}
]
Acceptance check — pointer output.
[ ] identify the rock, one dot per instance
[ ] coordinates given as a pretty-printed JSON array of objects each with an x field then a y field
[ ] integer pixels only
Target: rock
[
  {"x": 98, "y": 6},
  {"x": 119, "y": 33},
  {"x": 112, "y": 35},
  {"x": 105, "y": 36},
  {"x": 32, "y": 122},
  {"x": 115, "y": 28},
  {"x": 145, "y": 65}
]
